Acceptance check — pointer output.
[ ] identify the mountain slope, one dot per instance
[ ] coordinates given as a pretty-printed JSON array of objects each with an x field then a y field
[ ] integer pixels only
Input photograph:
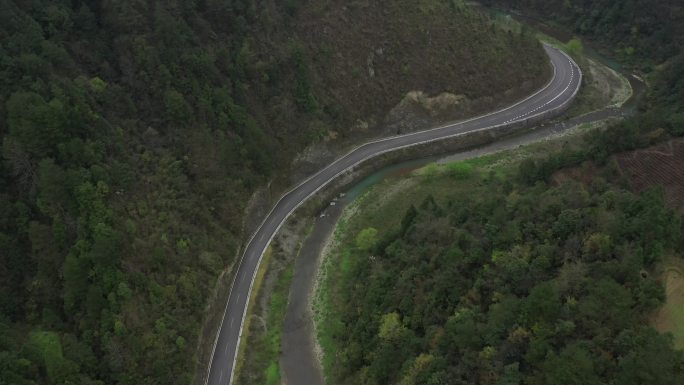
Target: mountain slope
[
  {"x": 492, "y": 275},
  {"x": 134, "y": 133}
]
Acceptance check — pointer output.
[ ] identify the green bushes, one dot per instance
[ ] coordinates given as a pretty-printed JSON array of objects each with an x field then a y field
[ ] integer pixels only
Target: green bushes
[
  {"x": 460, "y": 170},
  {"x": 107, "y": 197},
  {"x": 537, "y": 284},
  {"x": 134, "y": 133},
  {"x": 641, "y": 32}
]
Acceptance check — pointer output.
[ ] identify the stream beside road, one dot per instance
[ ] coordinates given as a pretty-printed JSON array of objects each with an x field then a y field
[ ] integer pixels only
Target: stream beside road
[{"x": 299, "y": 362}]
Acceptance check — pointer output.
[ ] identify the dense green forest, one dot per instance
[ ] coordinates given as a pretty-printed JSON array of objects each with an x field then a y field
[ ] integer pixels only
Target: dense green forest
[
  {"x": 643, "y": 33},
  {"x": 513, "y": 275},
  {"x": 646, "y": 35},
  {"x": 503, "y": 280},
  {"x": 540, "y": 271},
  {"x": 134, "y": 132}
]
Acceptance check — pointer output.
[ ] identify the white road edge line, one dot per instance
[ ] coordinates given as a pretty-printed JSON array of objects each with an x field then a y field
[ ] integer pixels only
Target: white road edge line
[
  {"x": 218, "y": 332},
  {"x": 244, "y": 313}
]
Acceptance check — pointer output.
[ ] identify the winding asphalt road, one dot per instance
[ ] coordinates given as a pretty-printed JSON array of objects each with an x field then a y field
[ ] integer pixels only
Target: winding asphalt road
[{"x": 545, "y": 103}]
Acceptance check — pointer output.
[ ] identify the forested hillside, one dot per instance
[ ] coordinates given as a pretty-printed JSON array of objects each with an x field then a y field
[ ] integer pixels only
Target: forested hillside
[
  {"x": 540, "y": 271},
  {"x": 642, "y": 32},
  {"x": 134, "y": 132},
  {"x": 646, "y": 35},
  {"x": 502, "y": 279}
]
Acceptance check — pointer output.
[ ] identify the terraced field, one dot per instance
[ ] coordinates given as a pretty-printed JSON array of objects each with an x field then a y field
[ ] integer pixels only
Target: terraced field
[{"x": 660, "y": 165}]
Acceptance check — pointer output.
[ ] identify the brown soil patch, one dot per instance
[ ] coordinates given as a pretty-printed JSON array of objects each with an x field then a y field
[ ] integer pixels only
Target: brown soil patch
[{"x": 660, "y": 165}]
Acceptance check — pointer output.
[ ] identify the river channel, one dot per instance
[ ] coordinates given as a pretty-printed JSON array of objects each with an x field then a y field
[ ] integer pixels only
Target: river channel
[{"x": 298, "y": 361}]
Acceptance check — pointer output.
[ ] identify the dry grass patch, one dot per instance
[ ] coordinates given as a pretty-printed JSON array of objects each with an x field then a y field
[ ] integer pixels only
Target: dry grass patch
[{"x": 670, "y": 317}]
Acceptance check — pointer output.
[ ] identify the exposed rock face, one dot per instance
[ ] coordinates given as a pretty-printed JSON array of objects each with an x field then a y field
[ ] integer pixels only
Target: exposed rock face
[
  {"x": 417, "y": 110},
  {"x": 440, "y": 104}
]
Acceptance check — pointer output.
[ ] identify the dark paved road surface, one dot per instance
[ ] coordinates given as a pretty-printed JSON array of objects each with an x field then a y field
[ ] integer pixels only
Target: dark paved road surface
[{"x": 555, "y": 95}]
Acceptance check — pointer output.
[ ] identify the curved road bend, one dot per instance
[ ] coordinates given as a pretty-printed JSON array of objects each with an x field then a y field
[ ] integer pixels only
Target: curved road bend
[{"x": 557, "y": 93}]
